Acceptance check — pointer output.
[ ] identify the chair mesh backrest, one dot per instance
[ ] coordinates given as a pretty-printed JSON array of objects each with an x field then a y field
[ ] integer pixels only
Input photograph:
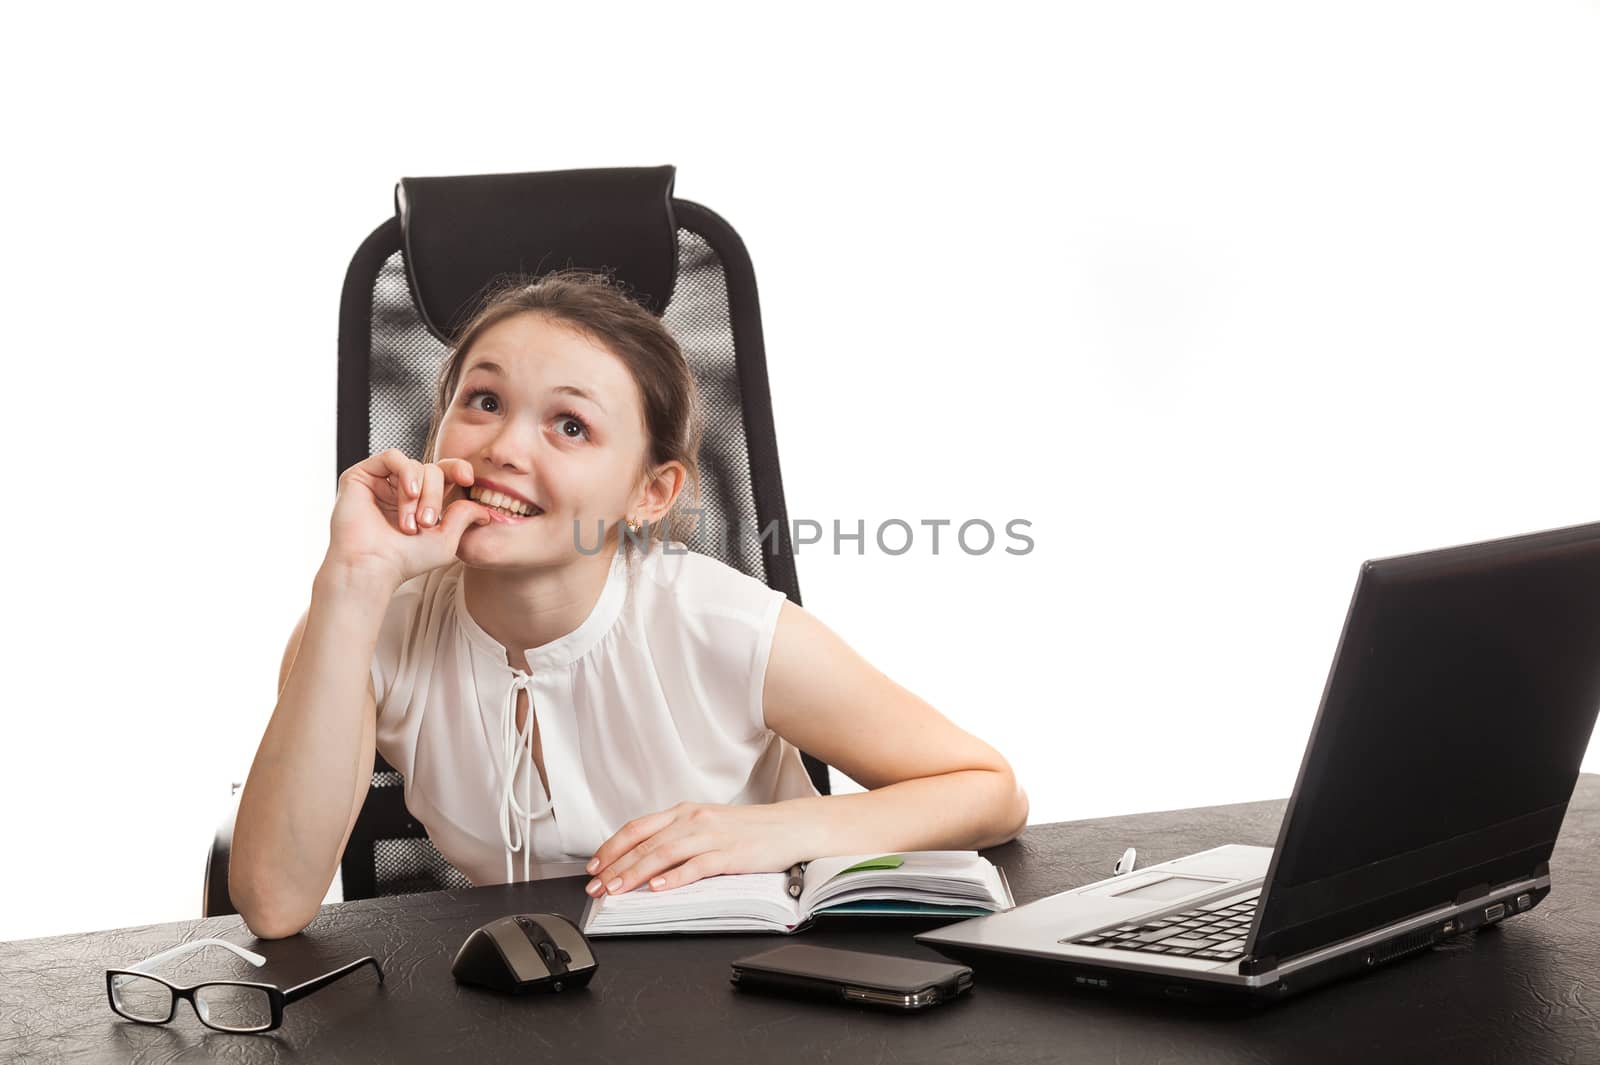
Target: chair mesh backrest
[{"x": 404, "y": 366}]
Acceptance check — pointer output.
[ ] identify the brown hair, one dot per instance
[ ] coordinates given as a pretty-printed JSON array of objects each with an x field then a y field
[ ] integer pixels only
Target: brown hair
[{"x": 602, "y": 309}]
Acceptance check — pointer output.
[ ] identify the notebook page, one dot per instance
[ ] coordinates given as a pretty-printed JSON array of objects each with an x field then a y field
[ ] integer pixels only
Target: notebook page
[
  {"x": 749, "y": 896},
  {"x": 925, "y": 876}
]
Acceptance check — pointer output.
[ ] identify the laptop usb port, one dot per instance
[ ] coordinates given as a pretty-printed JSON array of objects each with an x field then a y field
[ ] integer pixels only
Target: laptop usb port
[{"x": 1495, "y": 912}]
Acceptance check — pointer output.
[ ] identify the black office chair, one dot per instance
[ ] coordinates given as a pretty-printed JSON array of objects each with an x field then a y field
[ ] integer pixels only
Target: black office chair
[{"x": 413, "y": 282}]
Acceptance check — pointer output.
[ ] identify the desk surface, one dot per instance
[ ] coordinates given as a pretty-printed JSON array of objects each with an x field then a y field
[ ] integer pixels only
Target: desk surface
[{"x": 1526, "y": 992}]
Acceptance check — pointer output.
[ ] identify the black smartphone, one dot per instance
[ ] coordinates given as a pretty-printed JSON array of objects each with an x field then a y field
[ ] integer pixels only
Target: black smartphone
[{"x": 851, "y": 976}]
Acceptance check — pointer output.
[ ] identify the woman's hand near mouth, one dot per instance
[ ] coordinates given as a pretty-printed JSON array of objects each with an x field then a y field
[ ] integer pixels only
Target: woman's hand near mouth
[{"x": 400, "y": 517}]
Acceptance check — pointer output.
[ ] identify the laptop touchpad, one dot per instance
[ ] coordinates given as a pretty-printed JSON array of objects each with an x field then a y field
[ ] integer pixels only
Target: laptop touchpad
[{"x": 1166, "y": 888}]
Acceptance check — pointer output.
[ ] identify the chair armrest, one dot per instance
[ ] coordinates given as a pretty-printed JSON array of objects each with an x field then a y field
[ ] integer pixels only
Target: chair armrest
[{"x": 215, "y": 900}]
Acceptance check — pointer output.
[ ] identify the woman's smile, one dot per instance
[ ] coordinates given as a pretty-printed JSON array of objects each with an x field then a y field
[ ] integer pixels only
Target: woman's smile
[{"x": 493, "y": 502}]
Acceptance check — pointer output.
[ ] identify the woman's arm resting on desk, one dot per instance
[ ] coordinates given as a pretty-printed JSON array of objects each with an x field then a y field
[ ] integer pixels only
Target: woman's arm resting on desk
[{"x": 933, "y": 785}]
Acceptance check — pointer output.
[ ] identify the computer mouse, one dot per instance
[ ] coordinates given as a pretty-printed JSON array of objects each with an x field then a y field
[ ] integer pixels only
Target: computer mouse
[{"x": 525, "y": 952}]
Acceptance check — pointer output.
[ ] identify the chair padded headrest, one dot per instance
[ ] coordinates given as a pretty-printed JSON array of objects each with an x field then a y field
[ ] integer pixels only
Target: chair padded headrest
[{"x": 462, "y": 232}]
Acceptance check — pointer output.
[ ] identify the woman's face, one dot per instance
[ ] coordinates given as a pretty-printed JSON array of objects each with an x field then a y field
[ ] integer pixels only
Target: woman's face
[{"x": 518, "y": 417}]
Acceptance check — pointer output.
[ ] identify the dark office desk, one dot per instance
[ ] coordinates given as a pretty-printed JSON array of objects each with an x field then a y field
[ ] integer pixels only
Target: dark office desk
[{"x": 1524, "y": 993}]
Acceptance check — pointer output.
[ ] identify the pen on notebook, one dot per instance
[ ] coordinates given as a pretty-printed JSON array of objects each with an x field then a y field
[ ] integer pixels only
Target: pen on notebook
[{"x": 796, "y": 879}]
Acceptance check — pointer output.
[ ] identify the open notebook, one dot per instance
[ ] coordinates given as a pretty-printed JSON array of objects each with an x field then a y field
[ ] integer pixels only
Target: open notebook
[{"x": 942, "y": 883}]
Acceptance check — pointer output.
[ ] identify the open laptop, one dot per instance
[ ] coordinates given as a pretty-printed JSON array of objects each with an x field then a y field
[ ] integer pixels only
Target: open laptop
[{"x": 1460, "y": 704}]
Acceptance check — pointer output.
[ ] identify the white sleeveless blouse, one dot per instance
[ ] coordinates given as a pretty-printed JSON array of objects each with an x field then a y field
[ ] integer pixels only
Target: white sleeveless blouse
[{"x": 654, "y": 699}]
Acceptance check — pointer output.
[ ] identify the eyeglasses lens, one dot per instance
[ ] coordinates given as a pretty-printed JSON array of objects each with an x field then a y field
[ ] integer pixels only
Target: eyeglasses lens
[
  {"x": 238, "y": 1009},
  {"x": 140, "y": 998}
]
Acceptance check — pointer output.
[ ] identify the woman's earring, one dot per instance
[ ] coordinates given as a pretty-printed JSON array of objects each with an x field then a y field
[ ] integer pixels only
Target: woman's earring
[{"x": 633, "y": 526}]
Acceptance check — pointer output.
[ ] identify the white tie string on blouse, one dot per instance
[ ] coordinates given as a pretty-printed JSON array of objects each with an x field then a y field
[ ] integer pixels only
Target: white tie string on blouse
[{"x": 515, "y": 816}]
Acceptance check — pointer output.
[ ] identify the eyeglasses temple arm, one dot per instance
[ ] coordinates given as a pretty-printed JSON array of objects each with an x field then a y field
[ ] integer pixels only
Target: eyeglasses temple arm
[
  {"x": 318, "y": 983},
  {"x": 183, "y": 948}
]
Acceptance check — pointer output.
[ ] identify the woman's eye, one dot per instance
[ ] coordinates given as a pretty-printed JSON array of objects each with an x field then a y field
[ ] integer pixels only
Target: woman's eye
[
  {"x": 474, "y": 395},
  {"x": 573, "y": 419}
]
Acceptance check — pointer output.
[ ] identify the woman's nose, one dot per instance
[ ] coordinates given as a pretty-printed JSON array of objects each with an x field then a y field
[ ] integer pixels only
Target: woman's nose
[{"x": 513, "y": 446}]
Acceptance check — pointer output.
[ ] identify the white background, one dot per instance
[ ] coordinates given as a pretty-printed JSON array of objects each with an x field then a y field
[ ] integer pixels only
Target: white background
[{"x": 1222, "y": 298}]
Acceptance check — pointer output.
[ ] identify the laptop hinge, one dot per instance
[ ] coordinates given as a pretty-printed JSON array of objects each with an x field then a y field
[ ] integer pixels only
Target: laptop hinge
[{"x": 1254, "y": 966}]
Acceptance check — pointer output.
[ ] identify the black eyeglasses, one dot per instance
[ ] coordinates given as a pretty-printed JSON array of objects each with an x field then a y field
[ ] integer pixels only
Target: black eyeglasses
[{"x": 225, "y": 1005}]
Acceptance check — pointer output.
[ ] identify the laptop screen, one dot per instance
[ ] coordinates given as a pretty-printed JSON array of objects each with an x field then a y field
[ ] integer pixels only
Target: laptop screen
[{"x": 1459, "y": 707}]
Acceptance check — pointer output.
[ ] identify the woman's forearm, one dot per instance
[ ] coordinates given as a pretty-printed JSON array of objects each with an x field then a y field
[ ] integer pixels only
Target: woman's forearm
[
  {"x": 966, "y": 810},
  {"x": 313, "y": 762}
]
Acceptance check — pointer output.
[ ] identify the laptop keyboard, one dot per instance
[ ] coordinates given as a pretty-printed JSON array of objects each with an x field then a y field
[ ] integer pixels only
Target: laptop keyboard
[{"x": 1214, "y": 932}]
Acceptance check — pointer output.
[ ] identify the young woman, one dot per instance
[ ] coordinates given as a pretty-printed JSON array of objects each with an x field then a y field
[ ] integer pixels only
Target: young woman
[{"x": 511, "y": 624}]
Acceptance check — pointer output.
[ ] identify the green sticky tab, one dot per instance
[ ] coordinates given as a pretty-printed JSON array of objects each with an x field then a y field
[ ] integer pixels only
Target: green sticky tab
[{"x": 888, "y": 861}]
